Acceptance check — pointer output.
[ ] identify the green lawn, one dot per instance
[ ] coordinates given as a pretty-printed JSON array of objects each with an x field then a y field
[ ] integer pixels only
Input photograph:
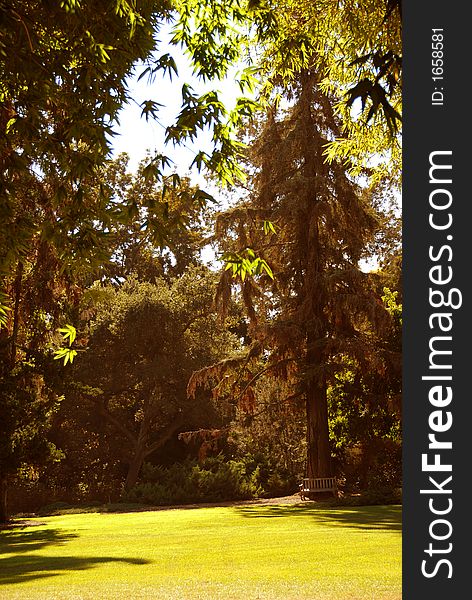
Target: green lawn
[{"x": 231, "y": 553}]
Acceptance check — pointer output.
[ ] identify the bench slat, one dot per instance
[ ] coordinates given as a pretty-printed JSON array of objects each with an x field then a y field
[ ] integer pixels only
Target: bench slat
[{"x": 318, "y": 484}]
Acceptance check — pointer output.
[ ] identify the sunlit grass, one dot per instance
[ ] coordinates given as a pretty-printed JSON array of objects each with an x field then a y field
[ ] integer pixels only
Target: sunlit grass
[{"x": 230, "y": 553}]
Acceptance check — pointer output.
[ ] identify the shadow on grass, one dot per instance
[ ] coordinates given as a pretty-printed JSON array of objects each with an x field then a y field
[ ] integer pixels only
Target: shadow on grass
[
  {"x": 25, "y": 566},
  {"x": 21, "y": 540},
  {"x": 358, "y": 517}
]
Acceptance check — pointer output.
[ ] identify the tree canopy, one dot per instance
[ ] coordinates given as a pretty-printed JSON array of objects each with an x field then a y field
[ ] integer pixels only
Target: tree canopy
[
  {"x": 312, "y": 151},
  {"x": 149, "y": 338},
  {"x": 356, "y": 50}
]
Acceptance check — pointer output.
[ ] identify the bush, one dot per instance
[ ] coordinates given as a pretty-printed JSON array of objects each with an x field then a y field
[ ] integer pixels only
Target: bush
[
  {"x": 381, "y": 495},
  {"x": 373, "y": 466},
  {"x": 370, "y": 497},
  {"x": 55, "y": 507},
  {"x": 275, "y": 479},
  {"x": 214, "y": 480}
]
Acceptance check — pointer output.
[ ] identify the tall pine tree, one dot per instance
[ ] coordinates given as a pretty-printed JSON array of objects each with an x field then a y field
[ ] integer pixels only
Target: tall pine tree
[{"x": 311, "y": 223}]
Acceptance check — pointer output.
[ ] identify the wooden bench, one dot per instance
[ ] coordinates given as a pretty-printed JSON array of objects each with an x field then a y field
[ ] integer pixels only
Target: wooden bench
[{"x": 317, "y": 485}]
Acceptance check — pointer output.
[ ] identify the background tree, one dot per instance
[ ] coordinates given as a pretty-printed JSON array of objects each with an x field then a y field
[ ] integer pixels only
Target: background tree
[
  {"x": 273, "y": 433},
  {"x": 365, "y": 413},
  {"x": 136, "y": 222},
  {"x": 162, "y": 228},
  {"x": 28, "y": 406},
  {"x": 148, "y": 339},
  {"x": 351, "y": 55}
]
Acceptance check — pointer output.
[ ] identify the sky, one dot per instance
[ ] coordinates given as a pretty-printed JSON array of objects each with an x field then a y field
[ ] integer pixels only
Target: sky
[{"x": 136, "y": 136}]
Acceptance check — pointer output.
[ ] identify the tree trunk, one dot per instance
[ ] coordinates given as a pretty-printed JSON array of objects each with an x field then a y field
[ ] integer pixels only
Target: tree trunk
[
  {"x": 318, "y": 447},
  {"x": 313, "y": 292},
  {"x": 3, "y": 500},
  {"x": 134, "y": 468},
  {"x": 143, "y": 450}
]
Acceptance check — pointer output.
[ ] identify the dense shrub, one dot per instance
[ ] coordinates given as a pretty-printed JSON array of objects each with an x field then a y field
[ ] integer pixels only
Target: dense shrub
[
  {"x": 213, "y": 480},
  {"x": 275, "y": 479},
  {"x": 373, "y": 466},
  {"x": 371, "y": 497}
]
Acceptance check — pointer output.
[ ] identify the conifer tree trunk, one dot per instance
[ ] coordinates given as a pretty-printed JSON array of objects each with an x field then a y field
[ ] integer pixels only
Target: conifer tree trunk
[
  {"x": 312, "y": 298},
  {"x": 318, "y": 446}
]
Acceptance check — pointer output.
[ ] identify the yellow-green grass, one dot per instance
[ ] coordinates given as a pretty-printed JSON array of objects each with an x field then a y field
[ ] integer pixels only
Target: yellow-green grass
[{"x": 231, "y": 553}]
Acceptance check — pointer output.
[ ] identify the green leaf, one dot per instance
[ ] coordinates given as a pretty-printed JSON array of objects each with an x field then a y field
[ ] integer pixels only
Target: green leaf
[
  {"x": 3, "y": 315},
  {"x": 67, "y": 354},
  {"x": 267, "y": 269},
  {"x": 9, "y": 124},
  {"x": 69, "y": 333},
  {"x": 150, "y": 107},
  {"x": 268, "y": 227}
]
